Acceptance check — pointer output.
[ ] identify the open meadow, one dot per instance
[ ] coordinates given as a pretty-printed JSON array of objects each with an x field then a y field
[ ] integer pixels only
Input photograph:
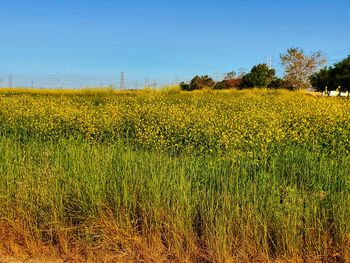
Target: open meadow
[{"x": 171, "y": 176}]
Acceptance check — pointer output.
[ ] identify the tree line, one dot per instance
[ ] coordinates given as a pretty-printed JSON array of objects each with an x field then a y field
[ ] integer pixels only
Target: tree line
[{"x": 301, "y": 71}]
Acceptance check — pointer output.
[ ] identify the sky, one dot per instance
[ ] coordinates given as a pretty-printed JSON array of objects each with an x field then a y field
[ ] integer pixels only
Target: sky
[{"x": 164, "y": 40}]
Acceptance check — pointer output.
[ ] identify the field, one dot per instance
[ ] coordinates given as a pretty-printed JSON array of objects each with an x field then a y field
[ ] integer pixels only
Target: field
[{"x": 170, "y": 176}]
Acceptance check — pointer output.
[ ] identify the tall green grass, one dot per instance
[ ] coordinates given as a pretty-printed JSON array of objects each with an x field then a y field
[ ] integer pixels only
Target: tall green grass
[{"x": 290, "y": 202}]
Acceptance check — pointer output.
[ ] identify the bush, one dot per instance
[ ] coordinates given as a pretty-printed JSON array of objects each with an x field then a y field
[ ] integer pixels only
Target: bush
[
  {"x": 228, "y": 84},
  {"x": 198, "y": 83},
  {"x": 202, "y": 82},
  {"x": 185, "y": 86},
  {"x": 279, "y": 84},
  {"x": 221, "y": 85}
]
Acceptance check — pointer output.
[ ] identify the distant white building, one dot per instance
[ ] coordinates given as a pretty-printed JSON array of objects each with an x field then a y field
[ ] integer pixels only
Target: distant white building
[{"x": 335, "y": 93}]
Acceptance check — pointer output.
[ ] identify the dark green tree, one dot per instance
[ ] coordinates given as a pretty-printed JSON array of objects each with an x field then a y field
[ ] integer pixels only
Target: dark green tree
[
  {"x": 340, "y": 75},
  {"x": 333, "y": 77},
  {"x": 260, "y": 76},
  {"x": 320, "y": 80}
]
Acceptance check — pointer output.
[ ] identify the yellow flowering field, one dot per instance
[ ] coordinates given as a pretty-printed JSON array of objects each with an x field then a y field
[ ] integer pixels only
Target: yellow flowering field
[{"x": 179, "y": 121}]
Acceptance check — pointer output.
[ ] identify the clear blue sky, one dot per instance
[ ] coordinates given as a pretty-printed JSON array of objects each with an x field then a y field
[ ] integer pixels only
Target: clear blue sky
[{"x": 164, "y": 39}]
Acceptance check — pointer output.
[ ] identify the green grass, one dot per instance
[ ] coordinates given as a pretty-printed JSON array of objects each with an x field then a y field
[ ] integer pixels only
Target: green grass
[{"x": 293, "y": 201}]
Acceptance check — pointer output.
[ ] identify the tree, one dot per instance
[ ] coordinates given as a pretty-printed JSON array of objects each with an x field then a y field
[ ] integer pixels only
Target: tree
[
  {"x": 333, "y": 77},
  {"x": 299, "y": 67},
  {"x": 259, "y": 76},
  {"x": 340, "y": 74},
  {"x": 198, "y": 82},
  {"x": 320, "y": 80}
]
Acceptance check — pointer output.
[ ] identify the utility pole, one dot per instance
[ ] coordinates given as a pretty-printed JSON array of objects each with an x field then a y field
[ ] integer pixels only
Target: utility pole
[
  {"x": 32, "y": 84},
  {"x": 122, "y": 80},
  {"x": 1, "y": 80}
]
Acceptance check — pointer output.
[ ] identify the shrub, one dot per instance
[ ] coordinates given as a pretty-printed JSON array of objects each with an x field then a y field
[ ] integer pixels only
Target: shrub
[
  {"x": 198, "y": 83},
  {"x": 202, "y": 82},
  {"x": 228, "y": 84},
  {"x": 185, "y": 86},
  {"x": 279, "y": 83}
]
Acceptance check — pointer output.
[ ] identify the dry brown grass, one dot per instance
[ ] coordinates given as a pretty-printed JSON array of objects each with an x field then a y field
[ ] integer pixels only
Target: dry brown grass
[{"x": 17, "y": 246}]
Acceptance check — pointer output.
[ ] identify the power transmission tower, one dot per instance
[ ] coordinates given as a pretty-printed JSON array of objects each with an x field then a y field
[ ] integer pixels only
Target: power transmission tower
[
  {"x": 10, "y": 81},
  {"x": 269, "y": 60},
  {"x": 1, "y": 80},
  {"x": 154, "y": 85},
  {"x": 122, "y": 80},
  {"x": 59, "y": 84}
]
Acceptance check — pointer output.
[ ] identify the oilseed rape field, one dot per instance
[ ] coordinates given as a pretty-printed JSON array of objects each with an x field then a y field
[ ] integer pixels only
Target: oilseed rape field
[{"x": 171, "y": 176}]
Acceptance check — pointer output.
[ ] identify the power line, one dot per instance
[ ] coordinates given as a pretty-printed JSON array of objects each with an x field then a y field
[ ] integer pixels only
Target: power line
[
  {"x": 73, "y": 81},
  {"x": 338, "y": 51}
]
